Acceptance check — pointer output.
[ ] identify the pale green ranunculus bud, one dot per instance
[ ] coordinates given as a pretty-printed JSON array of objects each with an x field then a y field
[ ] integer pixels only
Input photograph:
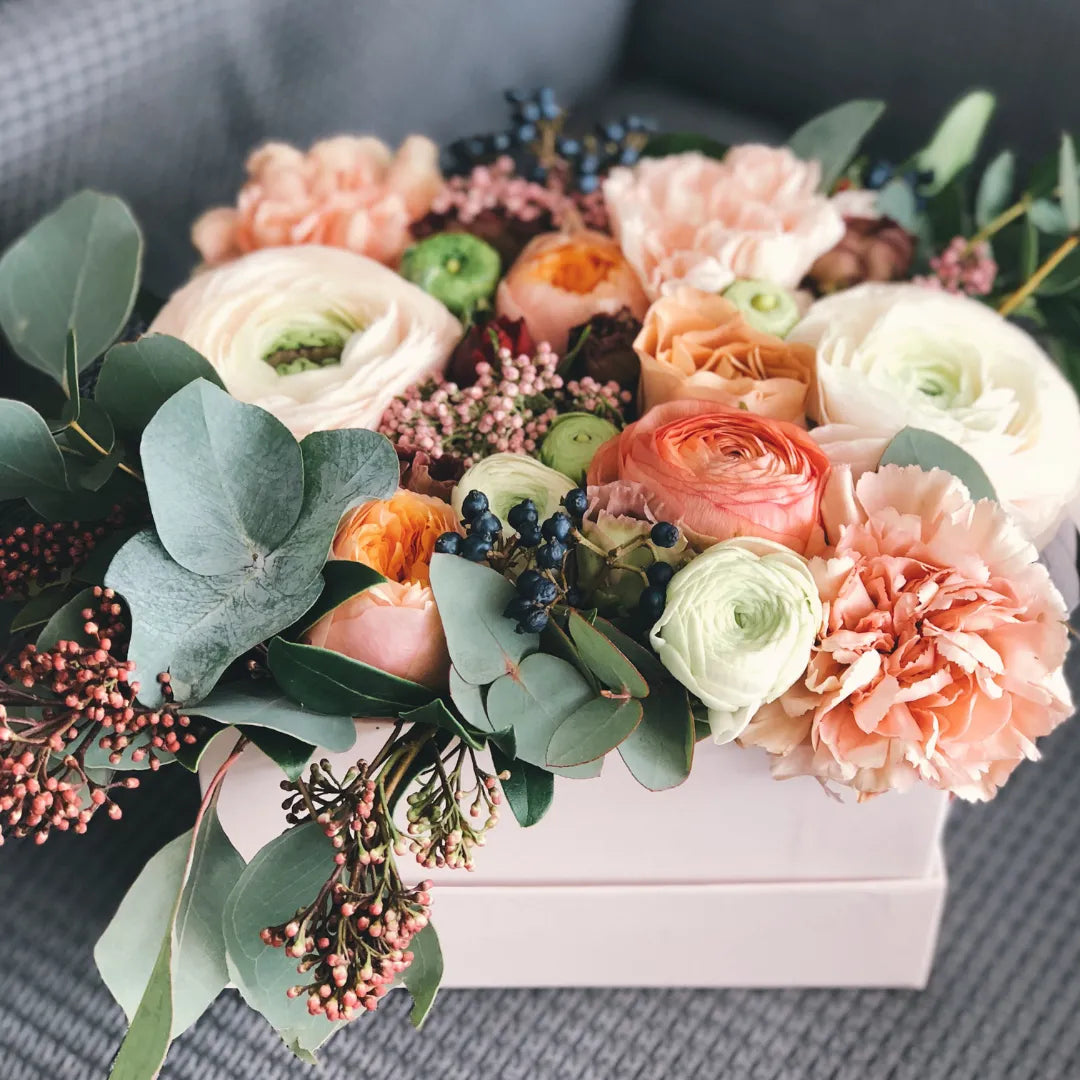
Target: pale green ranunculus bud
[
  {"x": 572, "y": 440},
  {"x": 738, "y": 627},
  {"x": 507, "y": 479},
  {"x": 766, "y": 307}
]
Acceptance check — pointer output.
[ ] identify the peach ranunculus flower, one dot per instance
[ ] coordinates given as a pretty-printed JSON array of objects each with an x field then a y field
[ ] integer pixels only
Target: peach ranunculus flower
[
  {"x": 718, "y": 472},
  {"x": 395, "y": 536},
  {"x": 349, "y": 192},
  {"x": 755, "y": 214},
  {"x": 563, "y": 279},
  {"x": 698, "y": 345},
  {"x": 394, "y": 625},
  {"x": 940, "y": 652}
]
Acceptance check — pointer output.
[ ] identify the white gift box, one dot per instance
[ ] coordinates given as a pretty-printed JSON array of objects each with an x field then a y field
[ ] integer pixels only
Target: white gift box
[{"x": 731, "y": 879}]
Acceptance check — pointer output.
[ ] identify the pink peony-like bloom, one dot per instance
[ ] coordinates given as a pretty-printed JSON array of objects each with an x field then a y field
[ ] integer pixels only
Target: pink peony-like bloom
[
  {"x": 562, "y": 280},
  {"x": 716, "y": 472},
  {"x": 348, "y": 192},
  {"x": 687, "y": 217},
  {"x": 393, "y": 626},
  {"x": 941, "y": 648}
]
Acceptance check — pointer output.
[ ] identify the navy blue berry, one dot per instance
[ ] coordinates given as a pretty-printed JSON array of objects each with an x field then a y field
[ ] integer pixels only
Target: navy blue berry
[
  {"x": 664, "y": 534},
  {"x": 651, "y": 602},
  {"x": 475, "y": 548},
  {"x": 557, "y": 527},
  {"x": 529, "y": 536},
  {"x": 533, "y": 622},
  {"x": 550, "y": 555},
  {"x": 486, "y": 525},
  {"x": 659, "y": 574},
  {"x": 523, "y": 514},
  {"x": 474, "y": 504},
  {"x": 449, "y": 543},
  {"x": 576, "y": 502}
]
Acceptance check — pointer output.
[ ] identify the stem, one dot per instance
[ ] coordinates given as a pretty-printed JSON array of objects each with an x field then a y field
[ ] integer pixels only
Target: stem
[
  {"x": 1010, "y": 214},
  {"x": 1011, "y": 303},
  {"x": 215, "y": 783},
  {"x": 94, "y": 444},
  {"x": 405, "y": 758},
  {"x": 384, "y": 753}
]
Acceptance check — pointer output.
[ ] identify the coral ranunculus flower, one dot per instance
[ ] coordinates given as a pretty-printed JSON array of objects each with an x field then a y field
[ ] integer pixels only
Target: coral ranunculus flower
[
  {"x": 349, "y": 192},
  {"x": 941, "y": 648},
  {"x": 698, "y": 345},
  {"x": 561, "y": 280},
  {"x": 719, "y": 472},
  {"x": 395, "y": 536}
]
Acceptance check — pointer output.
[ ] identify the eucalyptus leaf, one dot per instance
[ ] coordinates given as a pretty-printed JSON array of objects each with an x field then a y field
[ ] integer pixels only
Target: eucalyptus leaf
[
  {"x": 70, "y": 383},
  {"x": 605, "y": 660},
  {"x": 262, "y": 704},
  {"x": 592, "y": 731},
  {"x": 957, "y": 139},
  {"x": 645, "y": 660},
  {"x": 683, "y": 142},
  {"x": 1029, "y": 249},
  {"x": 436, "y": 714},
  {"x": 897, "y": 200},
  {"x": 1064, "y": 279},
  {"x": 1068, "y": 183},
  {"x": 423, "y": 975},
  {"x": 66, "y": 623},
  {"x": 1047, "y": 217},
  {"x": 40, "y": 608},
  {"x": 138, "y": 377},
  {"x": 225, "y": 479},
  {"x": 660, "y": 750},
  {"x": 995, "y": 188},
  {"x": 833, "y": 138},
  {"x": 30, "y": 460},
  {"x": 928, "y": 450},
  {"x": 483, "y": 643},
  {"x": 342, "y": 580},
  {"x": 534, "y": 701},
  {"x": 290, "y": 755},
  {"x": 528, "y": 788},
  {"x": 470, "y": 701},
  {"x": 76, "y": 269},
  {"x": 283, "y": 877},
  {"x": 555, "y": 640}
]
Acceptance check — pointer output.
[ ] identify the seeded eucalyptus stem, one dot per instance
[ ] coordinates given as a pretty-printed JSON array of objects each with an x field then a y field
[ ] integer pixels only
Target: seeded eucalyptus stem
[{"x": 95, "y": 445}]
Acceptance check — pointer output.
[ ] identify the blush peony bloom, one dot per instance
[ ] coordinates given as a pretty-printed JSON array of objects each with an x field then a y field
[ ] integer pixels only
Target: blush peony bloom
[
  {"x": 687, "y": 217},
  {"x": 698, "y": 345},
  {"x": 719, "y": 472},
  {"x": 940, "y": 651},
  {"x": 344, "y": 192},
  {"x": 395, "y": 536},
  {"x": 320, "y": 337},
  {"x": 563, "y": 279},
  {"x": 892, "y": 356},
  {"x": 394, "y": 626}
]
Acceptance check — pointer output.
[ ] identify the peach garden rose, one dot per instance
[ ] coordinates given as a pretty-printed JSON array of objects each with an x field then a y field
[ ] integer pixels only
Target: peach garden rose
[{"x": 939, "y": 655}]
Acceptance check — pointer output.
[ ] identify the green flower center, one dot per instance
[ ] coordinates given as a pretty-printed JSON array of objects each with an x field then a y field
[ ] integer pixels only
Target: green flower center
[{"x": 306, "y": 350}]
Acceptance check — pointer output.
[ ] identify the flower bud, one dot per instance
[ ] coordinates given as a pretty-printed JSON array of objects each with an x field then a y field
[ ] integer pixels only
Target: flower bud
[
  {"x": 765, "y": 306},
  {"x": 507, "y": 479},
  {"x": 572, "y": 440}
]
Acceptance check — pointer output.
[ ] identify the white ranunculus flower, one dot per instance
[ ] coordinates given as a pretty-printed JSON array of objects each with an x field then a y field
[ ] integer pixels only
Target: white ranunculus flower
[
  {"x": 737, "y": 628},
  {"x": 507, "y": 479},
  {"x": 894, "y": 356},
  {"x": 371, "y": 332}
]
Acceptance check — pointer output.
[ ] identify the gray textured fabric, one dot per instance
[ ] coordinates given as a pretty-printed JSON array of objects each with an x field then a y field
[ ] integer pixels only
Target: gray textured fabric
[{"x": 1002, "y": 1001}]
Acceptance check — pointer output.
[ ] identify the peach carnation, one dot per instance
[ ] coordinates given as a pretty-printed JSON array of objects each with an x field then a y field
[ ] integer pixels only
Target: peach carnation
[
  {"x": 697, "y": 345},
  {"x": 349, "y": 192},
  {"x": 940, "y": 652},
  {"x": 756, "y": 214}
]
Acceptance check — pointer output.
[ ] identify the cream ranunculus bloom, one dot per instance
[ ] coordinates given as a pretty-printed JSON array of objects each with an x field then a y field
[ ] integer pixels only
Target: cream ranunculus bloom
[
  {"x": 350, "y": 333},
  {"x": 895, "y": 356},
  {"x": 738, "y": 627},
  {"x": 507, "y": 479}
]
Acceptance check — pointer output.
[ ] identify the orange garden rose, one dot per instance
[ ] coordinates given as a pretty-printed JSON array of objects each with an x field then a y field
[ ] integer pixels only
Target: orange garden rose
[
  {"x": 719, "y": 472},
  {"x": 698, "y": 345},
  {"x": 561, "y": 280},
  {"x": 394, "y": 625},
  {"x": 939, "y": 657}
]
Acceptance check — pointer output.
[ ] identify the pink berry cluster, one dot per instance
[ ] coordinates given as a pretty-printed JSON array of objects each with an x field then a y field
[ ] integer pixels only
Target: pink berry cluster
[
  {"x": 39, "y": 555},
  {"x": 353, "y": 940},
  {"x": 963, "y": 267},
  {"x": 497, "y": 189},
  {"x": 507, "y": 410}
]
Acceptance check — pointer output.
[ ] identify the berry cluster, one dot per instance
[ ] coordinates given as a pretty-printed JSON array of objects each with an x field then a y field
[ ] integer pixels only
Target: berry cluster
[
  {"x": 36, "y": 556},
  {"x": 482, "y": 530},
  {"x": 353, "y": 940},
  {"x": 654, "y": 595}
]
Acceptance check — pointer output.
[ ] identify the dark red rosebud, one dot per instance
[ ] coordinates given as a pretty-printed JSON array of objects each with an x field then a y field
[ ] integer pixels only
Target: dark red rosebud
[
  {"x": 603, "y": 348},
  {"x": 482, "y": 341},
  {"x": 873, "y": 249},
  {"x": 431, "y": 476}
]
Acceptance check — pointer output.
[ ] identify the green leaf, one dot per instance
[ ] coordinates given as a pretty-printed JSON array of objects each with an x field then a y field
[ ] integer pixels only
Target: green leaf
[
  {"x": 1068, "y": 183},
  {"x": 66, "y": 623},
  {"x": 437, "y": 715},
  {"x": 290, "y": 755},
  {"x": 534, "y": 701},
  {"x": 77, "y": 269},
  {"x": 897, "y": 200},
  {"x": 682, "y": 142},
  {"x": 957, "y": 139},
  {"x": 71, "y": 380},
  {"x": 556, "y": 641},
  {"x": 30, "y": 460},
  {"x": 995, "y": 188},
  {"x": 1048, "y": 217},
  {"x": 469, "y": 701},
  {"x": 589, "y": 733},
  {"x": 834, "y": 137},
  {"x": 528, "y": 789},
  {"x": 225, "y": 479},
  {"x": 126, "y": 953},
  {"x": 284, "y": 876},
  {"x": 190, "y": 970},
  {"x": 605, "y": 660},
  {"x": 1064, "y": 279},
  {"x": 1029, "y": 249},
  {"x": 138, "y": 377},
  {"x": 331, "y": 682},
  {"x": 660, "y": 750},
  {"x": 423, "y": 975},
  {"x": 342, "y": 580},
  {"x": 261, "y": 704},
  {"x": 483, "y": 643},
  {"x": 645, "y": 660},
  {"x": 190, "y": 757},
  {"x": 913, "y": 446},
  {"x": 39, "y": 609}
]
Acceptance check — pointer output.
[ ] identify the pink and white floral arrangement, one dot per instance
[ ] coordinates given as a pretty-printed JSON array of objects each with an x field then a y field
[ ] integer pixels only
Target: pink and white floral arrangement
[{"x": 602, "y": 443}]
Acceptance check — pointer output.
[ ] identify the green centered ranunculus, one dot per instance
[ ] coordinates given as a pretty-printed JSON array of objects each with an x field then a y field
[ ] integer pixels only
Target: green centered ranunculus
[{"x": 507, "y": 479}]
